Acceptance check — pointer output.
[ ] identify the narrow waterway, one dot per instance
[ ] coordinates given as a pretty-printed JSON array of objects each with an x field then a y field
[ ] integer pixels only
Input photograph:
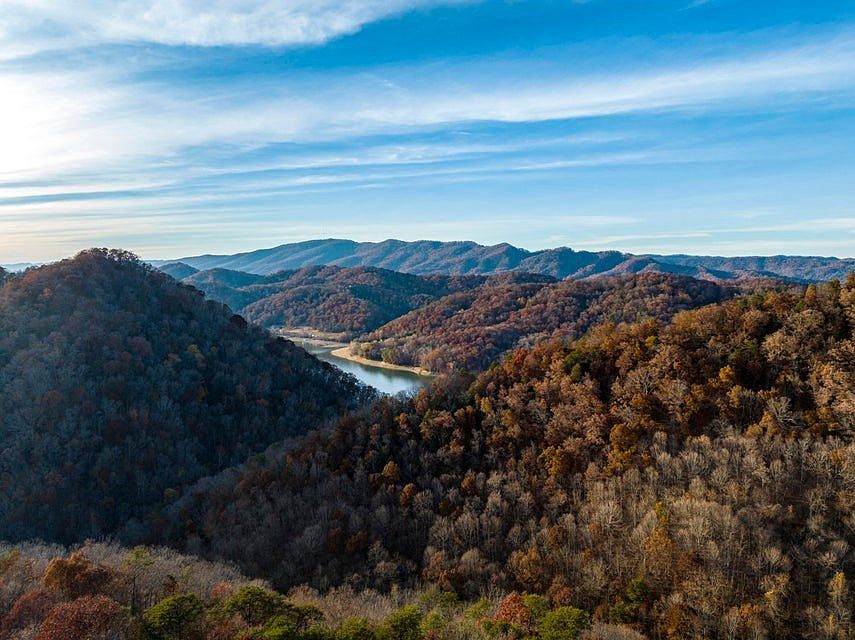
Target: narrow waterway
[{"x": 386, "y": 380}]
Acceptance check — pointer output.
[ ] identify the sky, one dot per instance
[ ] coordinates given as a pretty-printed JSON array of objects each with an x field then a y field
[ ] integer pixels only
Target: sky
[{"x": 178, "y": 127}]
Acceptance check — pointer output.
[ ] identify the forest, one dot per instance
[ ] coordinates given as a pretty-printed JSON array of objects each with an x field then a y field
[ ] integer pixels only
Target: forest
[
  {"x": 470, "y": 330},
  {"x": 105, "y": 591},
  {"x": 677, "y": 462},
  {"x": 694, "y": 478},
  {"x": 445, "y": 323},
  {"x": 345, "y": 301},
  {"x": 120, "y": 386}
]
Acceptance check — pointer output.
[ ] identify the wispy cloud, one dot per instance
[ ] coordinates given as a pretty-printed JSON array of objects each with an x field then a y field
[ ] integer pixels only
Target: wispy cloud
[
  {"x": 28, "y": 24},
  {"x": 101, "y": 136},
  {"x": 58, "y": 121}
]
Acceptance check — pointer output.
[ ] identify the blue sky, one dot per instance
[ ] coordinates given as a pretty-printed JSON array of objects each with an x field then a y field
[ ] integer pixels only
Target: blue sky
[{"x": 174, "y": 127}]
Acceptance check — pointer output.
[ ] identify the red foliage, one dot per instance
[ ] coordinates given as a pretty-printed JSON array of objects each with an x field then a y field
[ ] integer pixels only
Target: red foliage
[
  {"x": 512, "y": 610},
  {"x": 28, "y": 609},
  {"x": 222, "y": 591},
  {"x": 86, "y": 618},
  {"x": 471, "y": 329}
]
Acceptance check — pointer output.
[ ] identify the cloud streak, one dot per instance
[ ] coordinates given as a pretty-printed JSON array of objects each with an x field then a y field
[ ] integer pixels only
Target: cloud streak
[
  {"x": 273, "y": 23},
  {"x": 80, "y": 118},
  {"x": 135, "y": 136}
]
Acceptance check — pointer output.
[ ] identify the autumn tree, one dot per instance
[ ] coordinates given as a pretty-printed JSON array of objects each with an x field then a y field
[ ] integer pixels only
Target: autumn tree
[{"x": 85, "y": 618}]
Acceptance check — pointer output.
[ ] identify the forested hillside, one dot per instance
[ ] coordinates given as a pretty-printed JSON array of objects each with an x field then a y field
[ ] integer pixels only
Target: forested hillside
[
  {"x": 472, "y": 329},
  {"x": 348, "y": 301},
  {"x": 353, "y": 301},
  {"x": 690, "y": 474},
  {"x": 119, "y": 386},
  {"x": 810, "y": 268},
  {"x": 692, "y": 479}
]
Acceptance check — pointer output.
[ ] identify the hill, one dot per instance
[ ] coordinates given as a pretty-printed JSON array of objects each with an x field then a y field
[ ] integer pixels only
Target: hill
[
  {"x": 345, "y": 300},
  {"x": 178, "y": 270},
  {"x": 423, "y": 257},
  {"x": 688, "y": 479},
  {"x": 119, "y": 386},
  {"x": 472, "y": 329},
  {"x": 230, "y": 287}
]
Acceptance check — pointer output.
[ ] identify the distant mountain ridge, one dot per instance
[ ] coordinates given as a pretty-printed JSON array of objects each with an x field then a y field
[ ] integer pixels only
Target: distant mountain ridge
[
  {"x": 19, "y": 266},
  {"x": 470, "y": 258}
]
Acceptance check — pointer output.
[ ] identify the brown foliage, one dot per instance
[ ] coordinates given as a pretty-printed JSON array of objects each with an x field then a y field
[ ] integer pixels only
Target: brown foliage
[
  {"x": 86, "y": 618},
  {"x": 76, "y": 576},
  {"x": 470, "y": 330},
  {"x": 633, "y": 465},
  {"x": 30, "y": 608}
]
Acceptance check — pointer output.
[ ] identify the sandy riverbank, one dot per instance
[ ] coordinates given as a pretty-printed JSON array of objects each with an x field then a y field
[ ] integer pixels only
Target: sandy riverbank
[
  {"x": 345, "y": 354},
  {"x": 309, "y": 336}
]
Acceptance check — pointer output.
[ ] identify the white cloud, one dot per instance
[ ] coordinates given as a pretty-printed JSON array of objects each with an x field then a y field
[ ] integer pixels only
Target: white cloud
[
  {"x": 64, "y": 130},
  {"x": 192, "y": 22},
  {"x": 53, "y": 121}
]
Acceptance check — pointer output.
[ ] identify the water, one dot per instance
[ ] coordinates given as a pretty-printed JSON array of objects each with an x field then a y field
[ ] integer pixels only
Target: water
[{"x": 388, "y": 381}]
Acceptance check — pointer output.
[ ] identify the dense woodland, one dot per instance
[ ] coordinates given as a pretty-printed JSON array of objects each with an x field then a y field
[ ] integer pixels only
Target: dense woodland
[
  {"x": 120, "y": 386},
  {"x": 346, "y": 301},
  {"x": 673, "y": 476},
  {"x": 472, "y": 329},
  {"x": 689, "y": 479}
]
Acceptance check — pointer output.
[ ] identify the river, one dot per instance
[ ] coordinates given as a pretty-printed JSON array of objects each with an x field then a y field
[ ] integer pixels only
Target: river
[{"x": 386, "y": 380}]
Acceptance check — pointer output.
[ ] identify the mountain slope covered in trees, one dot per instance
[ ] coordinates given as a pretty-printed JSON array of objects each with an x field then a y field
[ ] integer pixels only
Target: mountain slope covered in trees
[
  {"x": 471, "y": 329},
  {"x": 352, "y": 301},
  {"x": 119, "y": 386},
  {"x": 345, "y": 300},
  {"x": 422, "y": 257},
  {"x": 692, "y": 479}
]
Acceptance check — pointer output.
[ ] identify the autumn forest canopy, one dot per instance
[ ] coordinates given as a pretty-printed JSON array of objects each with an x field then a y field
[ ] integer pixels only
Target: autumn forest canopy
[{"x": 638, "y": 455}]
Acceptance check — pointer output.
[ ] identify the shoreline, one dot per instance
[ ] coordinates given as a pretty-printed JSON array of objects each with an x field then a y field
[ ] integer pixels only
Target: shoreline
[
  {"x": 317, "y": 342},
  {"x": 345, "y": 354},
  {"x": 299, "y": 335}
]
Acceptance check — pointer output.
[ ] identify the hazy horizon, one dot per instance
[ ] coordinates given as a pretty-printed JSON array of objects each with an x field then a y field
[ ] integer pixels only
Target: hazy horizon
[{"x": 176, "y": 258}]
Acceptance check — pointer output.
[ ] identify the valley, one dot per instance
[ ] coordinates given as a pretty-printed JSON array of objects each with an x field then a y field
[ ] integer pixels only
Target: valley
[
  {"x": 586, "y": 454},
  {"x": 386, "y": 378},
  {"x": 427, "y": 320}
]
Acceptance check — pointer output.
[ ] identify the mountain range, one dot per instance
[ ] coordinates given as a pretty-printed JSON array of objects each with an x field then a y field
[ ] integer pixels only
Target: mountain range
[
  {"x": 645, "y": 456},
  {"x": 466, "y": 258},
  {"x": 18, "y": 266}
]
